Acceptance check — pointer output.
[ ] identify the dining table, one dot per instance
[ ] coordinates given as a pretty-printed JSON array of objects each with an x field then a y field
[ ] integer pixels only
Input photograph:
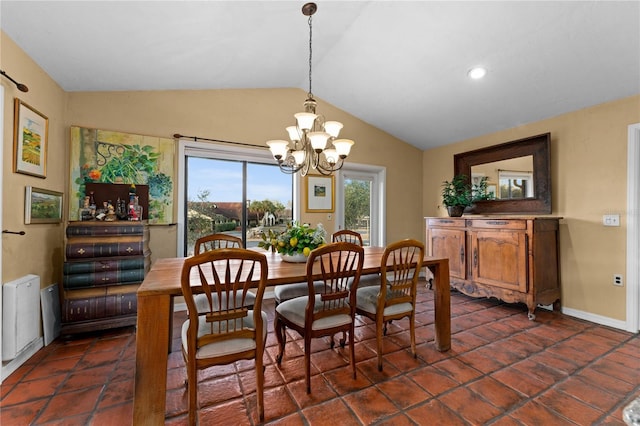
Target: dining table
[{"x": 155, "y": 314}]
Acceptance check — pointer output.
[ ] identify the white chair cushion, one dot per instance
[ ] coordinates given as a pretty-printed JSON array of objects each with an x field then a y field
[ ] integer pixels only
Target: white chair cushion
[
  {"x": 294, "y": 310},
  {"x": 367, "y": 300},
  {"x": 368, "y": 281},
  {"x": 203, "y": 306},
  {"x": 225, "y": 347},
  {"x": 284, "y": 292}
]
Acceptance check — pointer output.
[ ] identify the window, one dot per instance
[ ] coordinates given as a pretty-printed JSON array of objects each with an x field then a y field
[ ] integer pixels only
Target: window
[
  {"x": 360, "y": 202},
  {"x": 230, "y": 190},
  {"x": 515, "y": 184}
]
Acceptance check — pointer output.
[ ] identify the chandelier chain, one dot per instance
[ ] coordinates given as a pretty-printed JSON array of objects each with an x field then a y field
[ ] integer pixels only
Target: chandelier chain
[
  {"x": 310, "y": 54},
  {"x": 314, "y": 143}
]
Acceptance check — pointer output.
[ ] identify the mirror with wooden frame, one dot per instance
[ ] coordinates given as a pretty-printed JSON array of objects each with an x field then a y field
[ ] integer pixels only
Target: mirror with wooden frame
[{"x": 518, "y": 175}]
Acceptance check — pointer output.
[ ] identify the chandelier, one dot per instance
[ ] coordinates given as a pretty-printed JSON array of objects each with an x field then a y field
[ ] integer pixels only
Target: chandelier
[{"x": 314, "y": 142}]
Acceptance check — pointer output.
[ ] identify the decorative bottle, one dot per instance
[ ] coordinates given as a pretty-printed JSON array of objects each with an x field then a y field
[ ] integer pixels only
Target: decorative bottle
[
  {"x": 85, "y": 211},
  {"x": 92, "y": 204},
  {"x": 135, "y": 209}
]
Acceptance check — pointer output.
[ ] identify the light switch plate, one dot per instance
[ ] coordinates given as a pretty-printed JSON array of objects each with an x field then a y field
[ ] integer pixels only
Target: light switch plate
[{"x": 611, "y": 220}]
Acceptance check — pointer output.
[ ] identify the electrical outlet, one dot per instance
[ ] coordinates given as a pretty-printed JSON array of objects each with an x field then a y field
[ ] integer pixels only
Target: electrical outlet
[
  {"x": 617, "y": 280},
  {"x": 611, "y": 220}
]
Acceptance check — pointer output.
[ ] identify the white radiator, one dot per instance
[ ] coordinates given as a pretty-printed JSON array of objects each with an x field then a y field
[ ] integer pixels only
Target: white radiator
[{"x": 20, "y": 315}]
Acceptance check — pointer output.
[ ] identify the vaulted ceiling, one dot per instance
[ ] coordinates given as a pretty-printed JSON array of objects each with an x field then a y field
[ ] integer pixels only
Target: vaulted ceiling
[{"x": 399, "y": 65}]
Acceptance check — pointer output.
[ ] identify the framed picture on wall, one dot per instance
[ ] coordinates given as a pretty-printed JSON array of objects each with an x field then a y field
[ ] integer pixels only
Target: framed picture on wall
[
  {"x": 320, "y": 193},
  {"x": 30, "y": 140},
  {"x": 105, "y": 156},
  {"x": 42, "y": 206}
]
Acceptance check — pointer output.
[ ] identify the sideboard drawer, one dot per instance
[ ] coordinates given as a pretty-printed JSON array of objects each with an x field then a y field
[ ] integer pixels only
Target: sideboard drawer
[
  {"x": 447, "y": 222},
  {"x": 498, "y": 223}
]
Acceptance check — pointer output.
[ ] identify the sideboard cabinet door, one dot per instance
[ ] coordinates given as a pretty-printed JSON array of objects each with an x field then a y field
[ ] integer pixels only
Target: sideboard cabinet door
[
  {"x": 451, "y": 243},
  {"x": 500, "y": 259}
]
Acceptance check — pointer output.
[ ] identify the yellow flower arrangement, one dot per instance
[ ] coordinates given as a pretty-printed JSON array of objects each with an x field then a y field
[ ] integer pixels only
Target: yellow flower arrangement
[{"x": 296, "y": 239}]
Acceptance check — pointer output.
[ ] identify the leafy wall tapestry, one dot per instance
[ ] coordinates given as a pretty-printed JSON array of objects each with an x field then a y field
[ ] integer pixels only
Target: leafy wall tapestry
[{"x": 113, "y": 157}]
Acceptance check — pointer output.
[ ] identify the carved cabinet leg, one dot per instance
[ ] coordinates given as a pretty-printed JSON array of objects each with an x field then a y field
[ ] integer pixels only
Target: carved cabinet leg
[{"x": 532, "y": 312}]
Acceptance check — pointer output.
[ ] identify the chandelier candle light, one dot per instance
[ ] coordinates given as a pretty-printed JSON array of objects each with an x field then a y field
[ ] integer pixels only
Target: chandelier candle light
[{"x": 314, "y": 143}]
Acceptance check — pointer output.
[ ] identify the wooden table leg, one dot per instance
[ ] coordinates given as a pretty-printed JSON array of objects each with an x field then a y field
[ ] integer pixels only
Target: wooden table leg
[
  {"x": 442, "y": 305},
  {"x": 170, "y": 334},
  {"x": 154, "y": 314}
]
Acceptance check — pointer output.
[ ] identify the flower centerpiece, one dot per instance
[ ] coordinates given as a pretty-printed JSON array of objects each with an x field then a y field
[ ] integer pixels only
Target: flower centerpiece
[{"x": 296, "y": 242}]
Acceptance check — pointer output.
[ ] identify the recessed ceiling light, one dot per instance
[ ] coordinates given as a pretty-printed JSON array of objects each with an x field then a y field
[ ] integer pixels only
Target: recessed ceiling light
[{"x": 477, "y": 73}]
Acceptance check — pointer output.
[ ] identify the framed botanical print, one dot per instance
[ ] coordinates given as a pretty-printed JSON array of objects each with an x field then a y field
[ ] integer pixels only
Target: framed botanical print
[
  {"x": 104, "y": 156},
  {"x": 320, "y": 193},
  {"x": 30, "y": 140}
]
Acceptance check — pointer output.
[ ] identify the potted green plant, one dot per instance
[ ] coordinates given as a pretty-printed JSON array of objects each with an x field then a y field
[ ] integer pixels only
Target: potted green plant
[{"x": 456, "y": 195}]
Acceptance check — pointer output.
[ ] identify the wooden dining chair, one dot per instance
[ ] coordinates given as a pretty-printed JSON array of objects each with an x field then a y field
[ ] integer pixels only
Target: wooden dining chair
[
  {"x": 223, "y": 333},
  {"x": 348, "y": 236},
  {"x": 354, "y": 237},
  {"x": 216, "y": 241},
  {"x": 326, "y": 313},
  {"x": 395, "y": 296}
]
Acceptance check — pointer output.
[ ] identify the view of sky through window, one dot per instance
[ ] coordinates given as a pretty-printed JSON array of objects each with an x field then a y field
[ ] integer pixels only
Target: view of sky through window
[{"x": 223, "y": 180}]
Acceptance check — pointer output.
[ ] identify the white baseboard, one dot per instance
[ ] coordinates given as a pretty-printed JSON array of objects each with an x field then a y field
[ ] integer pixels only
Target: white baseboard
[
  {"x": 23, "y": 356},
  {"x": 598, "y": 319}
]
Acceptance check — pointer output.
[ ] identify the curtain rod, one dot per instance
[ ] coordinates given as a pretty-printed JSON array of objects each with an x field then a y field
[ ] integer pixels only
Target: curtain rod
[
  {"x": 197, "y": 138},
  {"x": 20, "y": 86},
  {"x": 515, "y": 171}
]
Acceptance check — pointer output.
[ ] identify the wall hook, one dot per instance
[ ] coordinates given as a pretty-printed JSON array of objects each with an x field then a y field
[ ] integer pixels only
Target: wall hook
[{"x": 6, "y": 231}]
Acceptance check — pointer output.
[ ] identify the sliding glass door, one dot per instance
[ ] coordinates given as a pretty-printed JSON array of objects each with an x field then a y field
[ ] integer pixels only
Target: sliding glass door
[
  {"x": 214, "y": 199},
  {"x": 225, "y": 193}
]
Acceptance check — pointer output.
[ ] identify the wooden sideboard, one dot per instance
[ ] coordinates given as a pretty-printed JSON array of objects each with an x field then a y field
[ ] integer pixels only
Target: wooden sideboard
[
  {"x": 105, "y": 264},
  {"x": 512, "y": 258}
]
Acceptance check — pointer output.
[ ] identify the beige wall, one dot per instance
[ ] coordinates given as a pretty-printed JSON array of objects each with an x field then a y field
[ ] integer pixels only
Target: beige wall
[
  {"x": 40, "y": 251},
  {"x": 589, "y": 179}
]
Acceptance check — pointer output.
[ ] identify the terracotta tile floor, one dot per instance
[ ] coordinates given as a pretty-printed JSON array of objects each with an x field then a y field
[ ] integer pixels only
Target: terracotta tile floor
[{"x": 502, "y": 369}]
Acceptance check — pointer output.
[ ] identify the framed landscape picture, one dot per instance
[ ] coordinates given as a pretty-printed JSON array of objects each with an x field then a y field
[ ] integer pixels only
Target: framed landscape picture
[
  {"x": 42, "y": 206},
  {"x": 320, "y": 191},
  {"x": 30, "y": 133}
]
